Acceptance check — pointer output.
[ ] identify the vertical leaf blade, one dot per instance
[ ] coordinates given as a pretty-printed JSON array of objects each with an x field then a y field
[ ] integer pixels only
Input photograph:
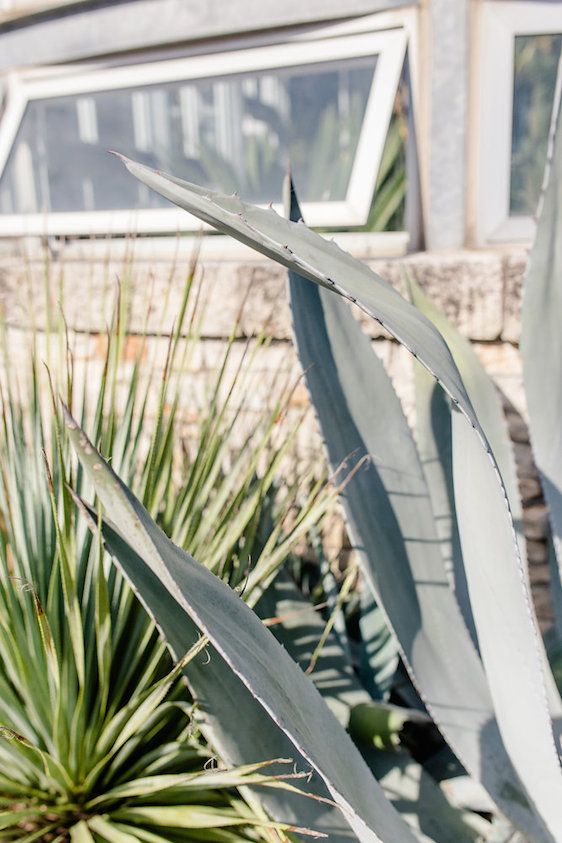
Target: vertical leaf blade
[
  {"x": 506, "y": 626},
  {"x": 389, "y": 515},
  {"x": 541, "y": 339}
]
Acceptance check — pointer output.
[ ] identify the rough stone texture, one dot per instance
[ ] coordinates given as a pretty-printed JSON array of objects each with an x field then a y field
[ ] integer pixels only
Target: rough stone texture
[
  {"x": 467, "y": 286},
  {"x": 503, "y": 362},
  {"x": 514, "y": 268}
]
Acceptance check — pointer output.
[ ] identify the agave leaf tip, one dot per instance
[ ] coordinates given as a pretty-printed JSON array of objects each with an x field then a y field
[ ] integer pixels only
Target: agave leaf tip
[{"x": 120, "y": 155}]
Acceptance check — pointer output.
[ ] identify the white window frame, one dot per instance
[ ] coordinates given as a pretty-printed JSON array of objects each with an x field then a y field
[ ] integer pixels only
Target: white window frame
[
  {"x": 341, "y": 41},
  {"x": 498, "y": 22}
]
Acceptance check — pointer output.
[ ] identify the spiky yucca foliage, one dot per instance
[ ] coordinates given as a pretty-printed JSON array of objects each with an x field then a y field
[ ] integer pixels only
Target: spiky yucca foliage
[{"x": 98, "y": 733}]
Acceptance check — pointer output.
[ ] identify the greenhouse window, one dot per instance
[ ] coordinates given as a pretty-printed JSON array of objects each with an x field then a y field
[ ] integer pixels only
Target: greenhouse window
[
  {"x": 229, "y": 121},
  {"x": 517, "y": 61}
]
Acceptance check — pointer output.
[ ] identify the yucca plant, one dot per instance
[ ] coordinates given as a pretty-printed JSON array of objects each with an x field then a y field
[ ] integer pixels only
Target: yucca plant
[
  {"x": 433, "y": 522},
  {"x": 100, "y": 737}
]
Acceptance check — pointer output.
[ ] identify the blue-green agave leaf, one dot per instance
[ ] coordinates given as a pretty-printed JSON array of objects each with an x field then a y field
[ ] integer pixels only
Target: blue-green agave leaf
[
  {"x": 391, "y": 524},
  {"x": 219, "y": 694},
  {"x": 508, "y": 636},
  {"x": 251, "y": 652},
  {"x": 541, "y": 337},
  {"x": 311, "y": 256},
  {"x": 487, "y": 403},
  {"x": 484, "y": 398},
  {"x": 435, "y": 447}
]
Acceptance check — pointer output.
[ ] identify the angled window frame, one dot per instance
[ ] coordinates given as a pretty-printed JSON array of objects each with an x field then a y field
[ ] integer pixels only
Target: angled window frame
[
  {"x": 386, "y": 35},
  {"x": 498, "y": 23}
]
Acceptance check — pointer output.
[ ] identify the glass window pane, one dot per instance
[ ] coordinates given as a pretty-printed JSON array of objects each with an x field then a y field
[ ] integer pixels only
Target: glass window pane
[
  {"x": 231, "y": 133},
  {"x": 536, "y": 63}
]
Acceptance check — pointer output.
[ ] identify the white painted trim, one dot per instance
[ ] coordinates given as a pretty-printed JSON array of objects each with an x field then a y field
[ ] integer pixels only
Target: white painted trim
[
  {"x": 497, "y": 24},
  {"x": 389, "y": 45},
  {"x": 11, "y": 119}
]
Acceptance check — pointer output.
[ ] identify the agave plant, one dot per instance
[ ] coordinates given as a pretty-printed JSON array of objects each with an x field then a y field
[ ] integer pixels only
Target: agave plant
[
  {"x": 434, "y": 524},
  {"x": 100, "y": 738}
]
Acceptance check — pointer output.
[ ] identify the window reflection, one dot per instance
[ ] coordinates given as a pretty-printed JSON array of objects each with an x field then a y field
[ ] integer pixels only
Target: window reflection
[
  {"x": 232, "y": 133},
  {"x": 536, "y": 63}
]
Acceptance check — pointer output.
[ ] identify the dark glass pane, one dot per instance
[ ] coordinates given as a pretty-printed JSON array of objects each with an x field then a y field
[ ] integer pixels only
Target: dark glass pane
[
  {"x": 536, "y": 63},
  {"x": 232, "y": 133}
]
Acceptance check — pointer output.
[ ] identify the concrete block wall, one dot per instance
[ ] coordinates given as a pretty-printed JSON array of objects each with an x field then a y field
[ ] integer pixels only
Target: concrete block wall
[{"x": 480, "y": 291}]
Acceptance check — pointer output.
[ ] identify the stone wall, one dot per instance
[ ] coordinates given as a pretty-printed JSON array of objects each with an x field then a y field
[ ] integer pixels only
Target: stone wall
[{"x": 480, "y": 292}]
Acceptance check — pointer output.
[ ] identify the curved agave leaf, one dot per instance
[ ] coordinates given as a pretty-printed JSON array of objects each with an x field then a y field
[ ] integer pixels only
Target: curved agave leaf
[
  {"x": 504, "y": 618},
  {"x": 311, "y": 257},
  {"x": 391, "y": 523},
  {"x": 255, "y": 735},
  {"x": 541, "y": 339},
  {"x": 487, "y": 403},
  {"x": 435, "y": 447},
  {"x": 251, "y": 652},
  {"x": 484, "y": 398}
]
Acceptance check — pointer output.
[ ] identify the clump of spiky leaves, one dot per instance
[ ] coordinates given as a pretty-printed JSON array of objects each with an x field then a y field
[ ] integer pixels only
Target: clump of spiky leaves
[{"x": 99, "y": 734}]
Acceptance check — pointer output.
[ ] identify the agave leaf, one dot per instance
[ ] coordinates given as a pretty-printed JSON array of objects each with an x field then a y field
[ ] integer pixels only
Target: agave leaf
[
  {"x": 250, "y": 650},
  {"x": 541, "y": 341},
  {"x": 505, "y": 623},
  {"x": 487, "y": 403},
  {"x": 255, "y": 735},
  {"x": 311, "y": 256},
  {"x": 390, "y": 520},
  {"x": 482, "y": 393},
  {"x": 435, "y": 447}
]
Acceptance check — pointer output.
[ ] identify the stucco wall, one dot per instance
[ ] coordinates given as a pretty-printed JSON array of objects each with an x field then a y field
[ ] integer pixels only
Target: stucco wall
[{"x": 480, "y": 292}]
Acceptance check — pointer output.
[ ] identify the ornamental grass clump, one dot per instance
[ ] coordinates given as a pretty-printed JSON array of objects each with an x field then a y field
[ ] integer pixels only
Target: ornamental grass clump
[{"x": 100, "y": 737}]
